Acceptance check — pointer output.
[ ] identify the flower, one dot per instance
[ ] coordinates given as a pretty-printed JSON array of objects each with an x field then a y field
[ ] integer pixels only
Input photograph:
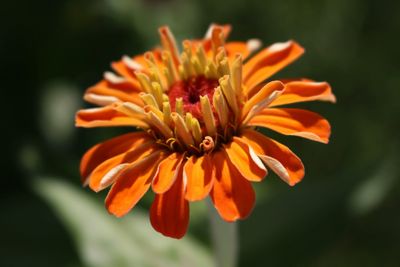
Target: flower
[{"x": 198, "y": 111}]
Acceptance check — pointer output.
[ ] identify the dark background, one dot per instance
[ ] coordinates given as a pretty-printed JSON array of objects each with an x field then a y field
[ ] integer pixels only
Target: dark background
[{"x": 344, "y": 213}]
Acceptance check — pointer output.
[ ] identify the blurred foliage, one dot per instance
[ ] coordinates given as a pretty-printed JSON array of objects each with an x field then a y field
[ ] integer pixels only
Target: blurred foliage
[
  {"x": 344, "y": 213},
  {"x": 103, "y": 240}
]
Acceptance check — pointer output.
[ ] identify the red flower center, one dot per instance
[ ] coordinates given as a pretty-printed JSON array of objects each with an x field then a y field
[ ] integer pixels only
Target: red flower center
[{"x": 190, "y": 92}]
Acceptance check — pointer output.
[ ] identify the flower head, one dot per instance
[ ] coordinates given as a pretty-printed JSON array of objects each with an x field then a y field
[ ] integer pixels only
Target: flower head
[{"x": 197, "y": 111}]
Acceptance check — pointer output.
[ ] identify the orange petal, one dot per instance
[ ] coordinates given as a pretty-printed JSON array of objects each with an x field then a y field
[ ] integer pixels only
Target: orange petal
[
  {"x": 169, "y": 213},
  {"x": 106, "y": 173},
  {"x": 304, "y": 90},
  {"x": 245, "y": 160},
  {"x": 198, "y": 173},
  {"x": 232, "y": 195},
  {"x": 108, "y": 149},
  {"x": 167, "y": 172},
  {"x": 234, "y": 48},
  {"x": 132, "y": 184},
  {"x": 276, "y": 156},
  {"x": 262, "y": 95},
  {"x": 124, "y": 68},
  {"x": 105, "y": 116},
  {"x": 125, "y": 91},
  {"x": 269, "y": 61},
  {"x": 298, "y": 122}
]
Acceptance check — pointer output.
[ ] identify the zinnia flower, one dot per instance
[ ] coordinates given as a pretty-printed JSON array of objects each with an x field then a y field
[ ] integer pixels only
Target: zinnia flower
[{"x": 197, "y": 111}]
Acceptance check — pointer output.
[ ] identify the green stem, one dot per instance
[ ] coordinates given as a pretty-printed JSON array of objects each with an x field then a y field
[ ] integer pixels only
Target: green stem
[{"x": 225, "y": 239}]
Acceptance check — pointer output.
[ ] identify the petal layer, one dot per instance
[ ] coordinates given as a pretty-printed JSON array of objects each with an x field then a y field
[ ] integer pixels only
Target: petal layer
[
  {"x": 245, "y": 160},
  {"x": 108, "y": 149},
  {"x": 298, "y": 122},
  {"x": 304, "y": 90},
  {"x": 198, "y": 172},
  {"x": 132, "y": 184},
  {"x": 120, "y": 91},
  {"x": 108, "y": 171},
  {"x": 232, "y": 195},
  {"x": 167, "y": 172},
  {"x": 269, "y": 61},
  {"x": 169, "y": 213},
  {"x": 105, "y": 116},
  {"x": 276, "y": 156}
]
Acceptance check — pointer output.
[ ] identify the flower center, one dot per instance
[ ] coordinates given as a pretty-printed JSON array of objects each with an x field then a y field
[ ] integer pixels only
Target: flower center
[{"x": 190, "y": 91}]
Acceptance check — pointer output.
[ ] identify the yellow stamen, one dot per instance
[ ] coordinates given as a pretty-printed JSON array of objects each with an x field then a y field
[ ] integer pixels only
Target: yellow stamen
[
  {"x": 167, "y": 113},
  {"x": 229, "y": 93},
  {"x": 201, "y": 55},
  {"x": 208, "y": 115},
  {"x": 236, "y": 74},
  {"x": 165, "y": 98},
  {"x": 160, "y": 125},
  {"x": 211, "y": 70},
  {"x": 150, "y": 59},
  {"x": 168, "y": 62},
  {"x": 220, "y": 55},
  {"x": 183, "y": 74},
  {"x": 188, "y": 120},
  {"x": 157, "y": 93},
  {"x": 196, "y": 130},
  {"x": 187, "y": 67},
  {"x": 179, "y": 106},
  {"x": 149, "y": 99},
  {"x": 223, "y": 67},
  {"x": 199, "y": 70},
  {"x": 168, "y": 77},
  {"x": 156, "y": 111},
  {"x": 155, "y": 75},
  {"x": 187, "y": 47},
  {"x": 181, "y": 129},
  {"x": 144, "y": 81},
  {"x": 221, "y": 107}
]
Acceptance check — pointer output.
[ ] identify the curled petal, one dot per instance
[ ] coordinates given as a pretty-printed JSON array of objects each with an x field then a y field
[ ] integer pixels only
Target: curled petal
[
  {"x": 169, "y": 213},
  {"x": 132, "y": 184},
  {"x": 276, "y": 156},
  {"x": 108, "y": 171},
  {"x": 198, "y": 172},
  {"x": 298, "y": 122},
  {"x": 226, "y": 29},
  {"x": 269, "y": 61},
  {"x": 232, "y": 195},
  {"x": 167, "y": 172},
  {"x": 108, "y": 149},
  {"x": 245, "y": 160},
  {"x": 127, "y": 66},
  {"x": 304, "y": 90},
  {"x": 267, "y": 94},
  {"x": 105, "y": 116},
  {"x": 105, "y": 91}
]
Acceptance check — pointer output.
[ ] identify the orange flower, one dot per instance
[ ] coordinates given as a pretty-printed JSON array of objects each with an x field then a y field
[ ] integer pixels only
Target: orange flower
[{"x": 197, "y": 111}]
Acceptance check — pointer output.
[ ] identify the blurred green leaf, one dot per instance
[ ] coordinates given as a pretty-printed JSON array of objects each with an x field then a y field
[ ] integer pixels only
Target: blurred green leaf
[
  {"x": 103, "y": 240},
  {"x": 373, "y": 190}
]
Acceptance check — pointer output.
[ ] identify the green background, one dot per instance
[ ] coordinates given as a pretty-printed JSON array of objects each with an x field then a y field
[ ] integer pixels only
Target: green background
[{"x": 344, "y": 213}]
